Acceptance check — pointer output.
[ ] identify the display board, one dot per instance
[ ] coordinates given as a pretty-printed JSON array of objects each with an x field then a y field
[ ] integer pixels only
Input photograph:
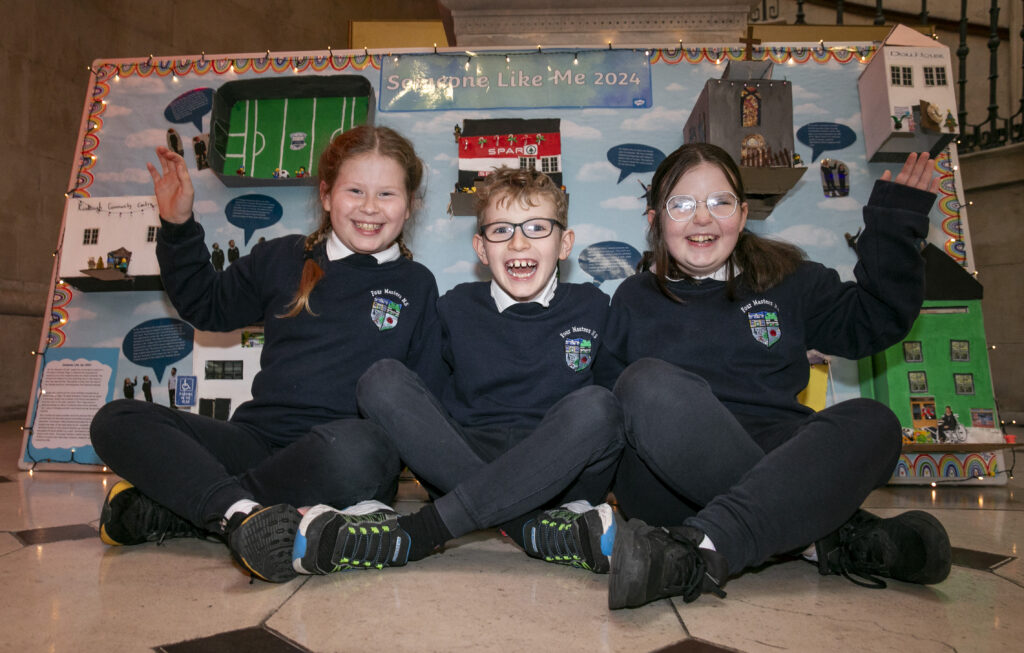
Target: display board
[{"x": 600, "y": 119}]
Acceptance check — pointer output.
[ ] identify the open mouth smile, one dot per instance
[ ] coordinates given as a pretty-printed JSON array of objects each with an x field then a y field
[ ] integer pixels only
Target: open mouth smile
[{"x": 521, "y": 268}]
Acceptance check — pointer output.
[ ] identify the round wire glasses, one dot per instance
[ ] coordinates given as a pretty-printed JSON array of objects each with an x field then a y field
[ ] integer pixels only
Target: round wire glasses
[{"x": 721, "y": 204}]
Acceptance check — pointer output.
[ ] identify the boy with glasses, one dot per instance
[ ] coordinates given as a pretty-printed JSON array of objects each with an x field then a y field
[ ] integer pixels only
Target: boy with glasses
[{"x": 520, "y": 438}]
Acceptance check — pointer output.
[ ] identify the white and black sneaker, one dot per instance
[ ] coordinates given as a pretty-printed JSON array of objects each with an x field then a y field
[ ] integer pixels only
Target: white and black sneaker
[
  {"x": 363, "y": 536},
  {"x": 576, "y": 534}
]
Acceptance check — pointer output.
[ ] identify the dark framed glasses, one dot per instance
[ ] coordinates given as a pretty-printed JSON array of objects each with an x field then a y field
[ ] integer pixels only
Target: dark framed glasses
[
  {"x": 721, "y": 204},
  {"x": 499, "y": 232}
]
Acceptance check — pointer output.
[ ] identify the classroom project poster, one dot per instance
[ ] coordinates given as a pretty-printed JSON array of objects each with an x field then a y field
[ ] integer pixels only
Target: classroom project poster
[{"x": 600, "y": 119}]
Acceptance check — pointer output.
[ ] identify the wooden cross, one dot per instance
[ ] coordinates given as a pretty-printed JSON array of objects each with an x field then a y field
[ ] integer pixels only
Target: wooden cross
[{"x": 749, "y": 41}]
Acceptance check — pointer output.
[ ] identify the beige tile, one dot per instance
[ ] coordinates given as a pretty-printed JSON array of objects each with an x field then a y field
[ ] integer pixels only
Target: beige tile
[
  {"x": 790, "y": 607},
  {"x": 8, "y": 543},
  {"x": 483, "y": 593},
  {"x": 83, "y": 595},
  {"x": 46, "y": 499}
]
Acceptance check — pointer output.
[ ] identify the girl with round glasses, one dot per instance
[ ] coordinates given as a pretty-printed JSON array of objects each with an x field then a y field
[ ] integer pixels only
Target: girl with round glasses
[{"x": 707, "y": 350}]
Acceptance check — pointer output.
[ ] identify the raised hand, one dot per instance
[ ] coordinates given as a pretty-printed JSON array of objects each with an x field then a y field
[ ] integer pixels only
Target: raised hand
[
  {"x": 917, "y": 173},
  {"x": 172, "y": 186}
]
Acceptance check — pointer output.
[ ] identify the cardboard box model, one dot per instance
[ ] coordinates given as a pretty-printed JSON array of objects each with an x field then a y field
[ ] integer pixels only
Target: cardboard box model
[
  {"x": 750, "y": 115},
  {"x": 488, "y": 144},
  {"x": 907, "y": 101},
  {"x": 272, "y": 131},
  {"x": 941, "y": 366}
]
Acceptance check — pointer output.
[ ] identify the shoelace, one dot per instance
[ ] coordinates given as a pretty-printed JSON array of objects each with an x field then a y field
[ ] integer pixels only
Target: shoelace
[
  {"x": 163, "y": 523},
  {"x": 558, "y": 540},
  {"x": 858, "y": 556},
  {"x": 688, "y": 581},
  {"x": 366, "y": 545}
]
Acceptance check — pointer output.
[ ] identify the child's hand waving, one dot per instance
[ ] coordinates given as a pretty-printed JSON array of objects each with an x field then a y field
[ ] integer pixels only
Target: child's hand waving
[{"x": 173, "y": 186}]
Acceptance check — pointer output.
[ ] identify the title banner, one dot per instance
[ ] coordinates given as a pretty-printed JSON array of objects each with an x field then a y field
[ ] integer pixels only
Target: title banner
[{"x": 618, "y": 79}]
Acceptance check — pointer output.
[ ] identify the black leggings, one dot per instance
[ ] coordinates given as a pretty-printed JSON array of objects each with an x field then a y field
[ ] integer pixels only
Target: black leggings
[
  {"x": 198, "y": 466},
  {"x": 755, "y": 491}
]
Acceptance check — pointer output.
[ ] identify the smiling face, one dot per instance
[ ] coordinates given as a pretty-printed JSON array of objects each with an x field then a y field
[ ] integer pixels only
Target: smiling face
[
  {"x": 368, "y": 202},
  {"x": 522, "y": 266},
  {"x": 704, "y": 243}
]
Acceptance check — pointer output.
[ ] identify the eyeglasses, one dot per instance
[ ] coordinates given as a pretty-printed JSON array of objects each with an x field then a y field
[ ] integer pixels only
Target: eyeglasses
[
  {"x": 722, "y": 204},
  {"x": 500, "y": 232}
]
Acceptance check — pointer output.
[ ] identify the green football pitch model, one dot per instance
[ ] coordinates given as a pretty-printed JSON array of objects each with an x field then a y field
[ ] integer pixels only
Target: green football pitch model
[{"x": 282, "y": 138}]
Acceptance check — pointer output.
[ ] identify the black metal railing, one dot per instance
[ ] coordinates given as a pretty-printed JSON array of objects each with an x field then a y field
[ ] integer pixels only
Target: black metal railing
[{"x": 995, "y": 130}]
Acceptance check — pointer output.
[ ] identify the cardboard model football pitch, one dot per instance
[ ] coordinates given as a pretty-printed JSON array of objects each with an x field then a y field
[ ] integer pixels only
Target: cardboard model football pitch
[{"x": 271, "y": 131}]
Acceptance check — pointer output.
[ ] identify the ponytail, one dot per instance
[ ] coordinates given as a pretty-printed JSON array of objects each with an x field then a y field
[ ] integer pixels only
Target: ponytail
[{"x": 311, "y": 274}]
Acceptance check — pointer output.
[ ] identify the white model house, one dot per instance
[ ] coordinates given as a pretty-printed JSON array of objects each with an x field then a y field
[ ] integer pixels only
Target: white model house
[
  {"x": 109, "y": 243},
  {"x": 907, "y": 100}
]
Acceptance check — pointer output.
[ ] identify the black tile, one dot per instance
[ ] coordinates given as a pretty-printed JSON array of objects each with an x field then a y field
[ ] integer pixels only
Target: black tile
[
  {"x": 56, "y": 534},
  {"x": 249, "y": 640},
  {"x": 979, "y": 559},
  {"x": 694, "y": 646}
]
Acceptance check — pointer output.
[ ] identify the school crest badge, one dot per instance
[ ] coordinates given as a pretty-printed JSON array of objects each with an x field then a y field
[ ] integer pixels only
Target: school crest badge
[
  {"x": 577, "y": 353},
  {"x": 384, "y": 313},
  {"x": 764, "y": 326}
]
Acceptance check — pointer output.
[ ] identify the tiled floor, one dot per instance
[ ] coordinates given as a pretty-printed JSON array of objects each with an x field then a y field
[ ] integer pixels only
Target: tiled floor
[{"x": 73, "y": 593}]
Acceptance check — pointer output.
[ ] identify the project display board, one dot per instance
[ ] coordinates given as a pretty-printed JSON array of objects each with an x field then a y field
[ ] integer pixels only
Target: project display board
[{"x": 251, "y": 126}]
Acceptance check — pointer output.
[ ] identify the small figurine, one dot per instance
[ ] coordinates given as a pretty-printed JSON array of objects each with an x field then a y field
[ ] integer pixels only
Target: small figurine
[{"x": 174, "y": 142}]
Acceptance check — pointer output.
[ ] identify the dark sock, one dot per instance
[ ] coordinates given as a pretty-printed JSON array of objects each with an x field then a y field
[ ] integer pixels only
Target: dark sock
[
  {"x": 426, "y": 532},
  {"x": 514, "y": 528}
]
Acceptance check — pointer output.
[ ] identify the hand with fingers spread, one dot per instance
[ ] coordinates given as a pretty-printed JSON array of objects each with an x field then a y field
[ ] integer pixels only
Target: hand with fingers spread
[
  {"x": 172, "y": 186},
  {"x": 918, "y": 172}
]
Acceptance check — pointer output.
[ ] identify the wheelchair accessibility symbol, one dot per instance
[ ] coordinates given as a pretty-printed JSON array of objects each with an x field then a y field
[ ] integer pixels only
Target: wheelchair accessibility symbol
[{"x": 185, "y": 391}]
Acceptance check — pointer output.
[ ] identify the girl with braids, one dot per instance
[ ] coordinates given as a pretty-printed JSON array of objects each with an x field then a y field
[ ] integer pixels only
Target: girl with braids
[
  {"x": 707, "y": 351},
  {"x": 331, "y": 304}
]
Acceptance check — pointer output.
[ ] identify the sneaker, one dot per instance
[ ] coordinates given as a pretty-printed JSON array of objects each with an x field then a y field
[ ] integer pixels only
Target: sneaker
[
  {"x": 130, "y": 517},
  {"x": 912, "y": 547},
  {"x": 262, "y": 540},
  {"x": 656, "y": 563},
  {"x": 576, "y": 534},
  {"x": 363, "y": 536}
]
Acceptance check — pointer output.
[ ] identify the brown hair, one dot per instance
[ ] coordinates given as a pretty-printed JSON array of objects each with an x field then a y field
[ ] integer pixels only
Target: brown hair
[
  {"x": 354, "y": 142},
  {"x": 763, "y": 262},
  {"x": 519, "y": 185}
]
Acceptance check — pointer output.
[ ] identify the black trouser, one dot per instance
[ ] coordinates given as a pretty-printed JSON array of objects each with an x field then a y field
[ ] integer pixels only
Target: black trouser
[
  {"x": 198, "y": 466},
  {"x": 491, "y": 476},
  {"x": 756, "y": 488}
]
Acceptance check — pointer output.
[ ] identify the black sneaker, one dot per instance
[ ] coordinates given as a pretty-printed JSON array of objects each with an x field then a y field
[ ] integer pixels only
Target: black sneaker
[
  {"x": 130, "y": 517},
  {"x": 262, "y": 540},
  {"x": 363, "y": 536},
  {"x": 576, "y": 534},
  {"x": 912, "y": 547},
  {"x": 655, "y": 563}
]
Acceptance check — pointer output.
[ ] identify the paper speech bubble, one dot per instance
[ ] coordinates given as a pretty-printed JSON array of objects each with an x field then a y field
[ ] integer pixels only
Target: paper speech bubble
[
  {"x": 190, "y": 107},
  {"x": 609, "y": 260},
  {"x": 252, "y": 212},
  {"x": 822, "y": 136},
  {"x": 158, "y": 343},
  {"x": 633, "y": 157}
]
